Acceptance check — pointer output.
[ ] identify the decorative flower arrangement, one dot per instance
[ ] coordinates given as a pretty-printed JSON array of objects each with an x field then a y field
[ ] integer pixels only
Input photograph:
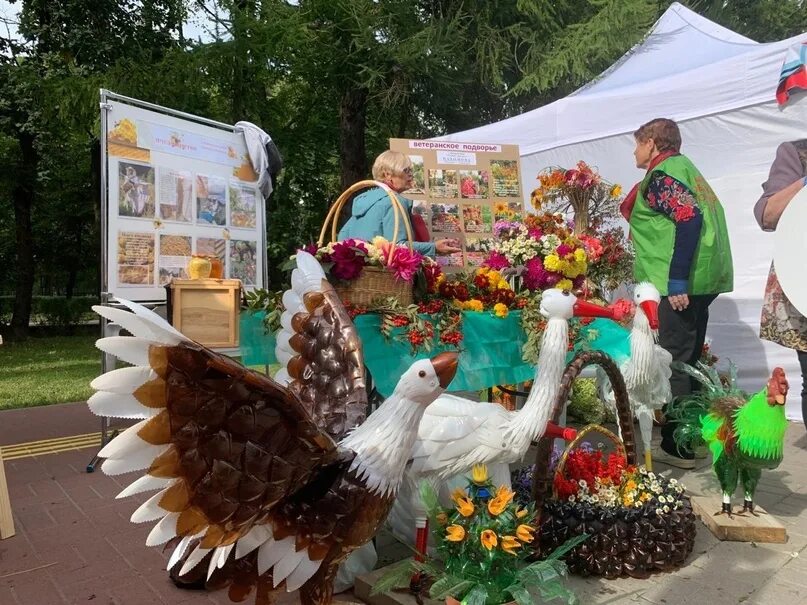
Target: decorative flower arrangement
[
  {"x": 542, "y": 249},
  {"x": 483, "y": 542},
  {"x": 345, "y": 260},
  {"x": 707, "y": 358},
  {"x": 580, "y": 189}
]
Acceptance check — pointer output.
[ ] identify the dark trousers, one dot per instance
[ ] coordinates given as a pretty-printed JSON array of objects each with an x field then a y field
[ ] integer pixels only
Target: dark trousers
[
  {"x": 803, "y": 363},
  {"x": 683, "y": 334}
]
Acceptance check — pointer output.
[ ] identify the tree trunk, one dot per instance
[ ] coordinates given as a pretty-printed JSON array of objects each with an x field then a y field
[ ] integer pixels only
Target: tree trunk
[
  {"x": 352, "y": 126},
  {"x": 23, "y": 199}
]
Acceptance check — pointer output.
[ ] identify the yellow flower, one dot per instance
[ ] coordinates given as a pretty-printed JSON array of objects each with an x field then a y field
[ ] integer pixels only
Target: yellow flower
[
  {"x": 501, "y": 310},
  {"x": 510, "y": 544},
  {"x": 465, "y": 507},
  {"x": 496, "y": 506},
  {"x": 565, "y": 284},
  {"x": 524, "y": 533},
  {"x": 521, "y": 513},
  {"x": 458, "y": 494},
  {"x": 505, "y": 493},
  {"x": 479, "y": 474},
  {"x": 616, "y": 191},
  {"x": 500, "y": 208},
  {"x": 488, "y": 538},
  {"x": 537, "y": 198},
  {"x": 442, "y": 518},
  {"x": 630, "y": 485},
  {"x": 455, "y": 533},
  {"x": 440, "y": 279},
  {"x": 494, "y": 277},
  {"x": 552, "y": 262},
  {"x": 579, "y": 255},
  {"x": 474, "y": 305},
  {"x": 503, "y": 285}
]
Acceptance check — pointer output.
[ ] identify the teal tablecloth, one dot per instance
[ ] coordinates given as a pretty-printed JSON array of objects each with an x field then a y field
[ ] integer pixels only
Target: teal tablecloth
[{"x": 490, "y": 352}]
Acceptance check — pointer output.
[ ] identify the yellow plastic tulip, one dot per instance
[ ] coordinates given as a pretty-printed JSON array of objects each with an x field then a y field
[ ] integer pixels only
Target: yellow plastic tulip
[
  {"x": 489, "y": 539},
  {"x": 455, "y": 533},
  {"x": 524, "y": 533},
  {"x": 510, "y": 544},
  {"x": 479, "y": 474}
]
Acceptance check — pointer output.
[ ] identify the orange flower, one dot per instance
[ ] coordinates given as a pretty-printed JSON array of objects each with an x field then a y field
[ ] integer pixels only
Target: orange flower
[
  {"x": 524, "y": 533},
  {"x": 455, "y": 533},
  {"x": 505, "y": 493},
  {"x": 496, "y": 506},
  {"x": 510, "y": 544},
  {"x": 465, "y": 507},
  {"x": 521, "y": 513},
  {"x": 458, "y": 494},
  {"x": 488, "y": 538}
]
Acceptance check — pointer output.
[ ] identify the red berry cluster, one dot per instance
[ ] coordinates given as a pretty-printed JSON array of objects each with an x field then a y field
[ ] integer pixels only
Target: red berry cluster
[
  {"x": 417, "y": 337},
  {"x": 431, "y": 307},
  {"x": 355, "y": 310},
  {"x": 451, "y": 337},
  {"x": 456, "y": 290},
  {"x": 400, "y": 321},
  {"x": 520, "y": 302}
]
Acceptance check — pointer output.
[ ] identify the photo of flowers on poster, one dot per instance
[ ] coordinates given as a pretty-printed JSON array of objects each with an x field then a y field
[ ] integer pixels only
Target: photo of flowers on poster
[
  {"x": 443, "y": 183},
  {"x": 211, "y": 200},
  {"x": 135, "y": 259},
  {"x": 505, "y": 178},
  {"x": 478, "y": 218},
  {"x": 475, "y": 251},
  {"x": 474, "y": 184},
  {"x": 446, "y": 217},
  {"x": 507, "y": 211},
  {"x": 176, "y": 203},
  {"x": 135, "y": 190},
  {"x": 212, "y": 246},
  {"x": 242, "y": 206},
  {"x": 418, "y": 176},
  {"x": 244, "y": 261},
  {"x": 175, "y": 254}
]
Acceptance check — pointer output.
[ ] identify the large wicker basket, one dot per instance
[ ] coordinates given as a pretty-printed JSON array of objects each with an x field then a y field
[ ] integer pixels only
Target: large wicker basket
[
  {"x": 623, "y": 541},
  {"x": 374, "y": 282}
]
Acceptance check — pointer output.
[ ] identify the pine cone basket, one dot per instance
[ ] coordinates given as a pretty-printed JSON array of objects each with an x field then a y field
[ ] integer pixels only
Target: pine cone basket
[{"x": 623, "y": 541}]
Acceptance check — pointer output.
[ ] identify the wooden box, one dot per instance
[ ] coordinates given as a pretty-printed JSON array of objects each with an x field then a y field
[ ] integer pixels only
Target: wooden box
[{"x": 207, "y": 310}]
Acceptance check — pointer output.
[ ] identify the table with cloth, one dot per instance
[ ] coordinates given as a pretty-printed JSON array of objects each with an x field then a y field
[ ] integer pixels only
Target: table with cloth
[{"x": 490, "y": 352}]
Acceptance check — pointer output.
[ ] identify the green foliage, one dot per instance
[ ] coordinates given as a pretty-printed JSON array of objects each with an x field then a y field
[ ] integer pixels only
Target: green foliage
[
  {"x": 55, "y": 311},
  {"x": 270, "y": 302}
]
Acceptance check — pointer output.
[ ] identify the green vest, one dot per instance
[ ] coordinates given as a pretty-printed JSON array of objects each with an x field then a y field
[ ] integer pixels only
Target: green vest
[{"x": 653, "y": 235}]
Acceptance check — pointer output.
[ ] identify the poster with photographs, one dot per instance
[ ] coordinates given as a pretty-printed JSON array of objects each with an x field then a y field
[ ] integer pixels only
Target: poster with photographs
[
  {"x": 242, "y": 206},
  {"x": 211, "y": 200},
  {"x": 135, "y": 190},
  {"x": 175, "y": 254},
  {"x": 135, "y": 259},
  {"x": 418, "y": 176},
  {"x": 175, "y": 195},
  {"x": 243, "y": 261},
  {"x": 443, "y": 184},
  {"x": 476, "y": 250},
  {"x": 505, "y": 178},
  {"x": 477, "y": 218},
  {"x": 474, "y": 184},
  {"x": 212, "y": 246},
  {"x": 468, "y": 187}
]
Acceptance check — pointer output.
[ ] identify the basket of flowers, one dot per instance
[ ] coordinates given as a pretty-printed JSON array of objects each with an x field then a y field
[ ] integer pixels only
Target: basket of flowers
[
  {"x": 638, "y": 522},
  {"x": 362, "y": 271},
  {"x": 482, "y": 546}
]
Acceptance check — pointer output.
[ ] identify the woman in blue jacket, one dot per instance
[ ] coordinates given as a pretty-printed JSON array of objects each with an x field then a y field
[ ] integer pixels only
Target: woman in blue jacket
[{"x": 372, "y": 213}]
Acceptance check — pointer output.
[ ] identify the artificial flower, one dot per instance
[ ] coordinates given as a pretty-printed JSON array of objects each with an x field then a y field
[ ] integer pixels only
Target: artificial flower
[
  {"x": 524, "y": 533},
  {"x": 458, "y": 494},
  {"x": 455, "y": 533},
  {"x": 348, "y": 259},
  {"x": 521, "y": 513},
  {"x": 565, "y": 284},
  {"x": 479, "y": 474},
  {"x": 465, "y": 507},
  {"x": 496, "y": 506},
  {"x": 500, "y": 310},
  {"x": 510, "y": 545},
  {"x": 405, "y": 263},
  {"x": 489, "y": 539}
]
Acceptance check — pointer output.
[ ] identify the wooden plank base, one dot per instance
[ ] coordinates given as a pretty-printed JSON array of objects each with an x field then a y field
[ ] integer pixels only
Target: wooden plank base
[
  {"x": 364, "y": 584},
  {"x": 745, "y": 528},
  {"x": 6, "y": 520}
]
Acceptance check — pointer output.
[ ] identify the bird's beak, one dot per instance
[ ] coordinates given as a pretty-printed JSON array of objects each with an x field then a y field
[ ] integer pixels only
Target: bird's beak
[
  {"x": 650, "y": 308},
  {"x": 445, "y": 366},
  {"x": 584, "y": 308}
]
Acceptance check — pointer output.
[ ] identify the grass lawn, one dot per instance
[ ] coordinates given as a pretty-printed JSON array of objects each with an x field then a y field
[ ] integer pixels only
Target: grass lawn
[{"x": 47, "y": 370}]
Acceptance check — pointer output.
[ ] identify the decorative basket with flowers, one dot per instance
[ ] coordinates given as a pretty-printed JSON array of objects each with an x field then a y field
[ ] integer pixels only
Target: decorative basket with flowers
[{"x": 483, "y": 543}]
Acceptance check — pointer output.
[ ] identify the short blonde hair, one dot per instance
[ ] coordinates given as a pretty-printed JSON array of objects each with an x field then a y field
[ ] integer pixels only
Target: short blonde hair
[{"x": 390, "y": 163}]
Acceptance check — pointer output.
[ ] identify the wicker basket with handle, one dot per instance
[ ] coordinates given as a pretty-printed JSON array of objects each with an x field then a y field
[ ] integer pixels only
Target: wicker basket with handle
[{"x": 374, "y": 282}]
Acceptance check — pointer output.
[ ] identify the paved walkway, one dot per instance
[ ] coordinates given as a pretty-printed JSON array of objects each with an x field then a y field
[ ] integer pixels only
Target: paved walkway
[{"x": 75, "y": 545}]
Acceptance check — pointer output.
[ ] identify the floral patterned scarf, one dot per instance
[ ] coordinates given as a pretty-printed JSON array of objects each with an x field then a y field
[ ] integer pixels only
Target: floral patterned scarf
[{"x": 626, "y": 207}]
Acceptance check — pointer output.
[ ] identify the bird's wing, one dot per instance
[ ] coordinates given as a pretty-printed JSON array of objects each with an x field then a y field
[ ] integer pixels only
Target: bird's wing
[
  {"x": 452, "y": 428},
  {"x": 320, "y": 351},
  {"x": 226, "y": 447}
]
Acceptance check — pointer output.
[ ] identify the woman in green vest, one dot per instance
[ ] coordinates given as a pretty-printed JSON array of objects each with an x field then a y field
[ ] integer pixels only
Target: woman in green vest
[{"x": 682, "y": 247}]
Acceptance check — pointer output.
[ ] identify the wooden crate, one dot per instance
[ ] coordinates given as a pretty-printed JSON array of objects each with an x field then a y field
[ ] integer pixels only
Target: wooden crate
[{"x": 207, "y": 310}]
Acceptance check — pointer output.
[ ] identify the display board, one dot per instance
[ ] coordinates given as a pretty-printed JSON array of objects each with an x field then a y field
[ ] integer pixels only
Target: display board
[
  {"x": 174, "y": 185},
  {"x": 461, "y": 190}
]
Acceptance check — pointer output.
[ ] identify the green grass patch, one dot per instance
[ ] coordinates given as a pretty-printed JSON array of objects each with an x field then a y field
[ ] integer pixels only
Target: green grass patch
[{"x": 42, "y": 371}]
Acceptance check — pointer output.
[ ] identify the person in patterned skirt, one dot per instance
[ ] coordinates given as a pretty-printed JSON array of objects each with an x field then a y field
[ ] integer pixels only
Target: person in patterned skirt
[{"x": 781, "y": 322}]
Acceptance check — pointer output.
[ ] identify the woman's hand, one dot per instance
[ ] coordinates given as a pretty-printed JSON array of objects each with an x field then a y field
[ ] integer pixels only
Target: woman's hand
[
  {"x": 446, "y": 246},
  {"x": 679, "y": 302}
]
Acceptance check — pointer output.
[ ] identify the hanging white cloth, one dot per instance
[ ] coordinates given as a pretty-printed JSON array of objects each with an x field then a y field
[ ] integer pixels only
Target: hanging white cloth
[{"x": 256, "y": 139}]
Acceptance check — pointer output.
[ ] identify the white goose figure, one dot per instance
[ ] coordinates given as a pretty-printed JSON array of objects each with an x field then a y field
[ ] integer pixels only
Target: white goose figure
[
  {"x": 647, "y": 370},
  {"x": 456, "y": 433}
]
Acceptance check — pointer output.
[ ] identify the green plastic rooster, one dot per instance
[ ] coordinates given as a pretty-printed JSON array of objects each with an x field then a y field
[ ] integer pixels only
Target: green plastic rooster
[{"x": 745, "y": 435}]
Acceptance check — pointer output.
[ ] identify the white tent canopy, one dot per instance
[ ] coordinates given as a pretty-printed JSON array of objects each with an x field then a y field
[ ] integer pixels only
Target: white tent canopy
[{"x": 721, "y": 88}]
